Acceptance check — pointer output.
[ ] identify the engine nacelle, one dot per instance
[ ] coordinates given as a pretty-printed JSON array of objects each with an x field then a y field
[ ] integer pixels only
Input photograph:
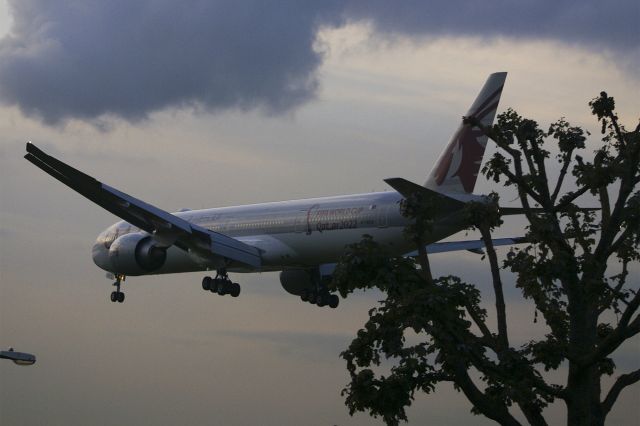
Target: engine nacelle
[
  {"x": 295, "y": 281},
  {"x": 136, "y": 254}
]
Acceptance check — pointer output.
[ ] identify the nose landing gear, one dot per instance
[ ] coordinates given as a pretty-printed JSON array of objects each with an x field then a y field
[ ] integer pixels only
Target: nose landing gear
[
  {"x": 221, "y": 284},
  {"x": 118, "y": 296}
]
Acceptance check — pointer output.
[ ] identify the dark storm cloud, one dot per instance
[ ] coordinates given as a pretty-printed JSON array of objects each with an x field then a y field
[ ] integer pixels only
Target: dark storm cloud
[
  {"x": 94, "y": 58},
  {"x": 611, "y": 25},
  {"x": 86, "y": 59}
]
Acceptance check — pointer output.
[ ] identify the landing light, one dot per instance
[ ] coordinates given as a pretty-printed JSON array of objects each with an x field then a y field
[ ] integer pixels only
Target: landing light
[{"x": 20, "y": 358}]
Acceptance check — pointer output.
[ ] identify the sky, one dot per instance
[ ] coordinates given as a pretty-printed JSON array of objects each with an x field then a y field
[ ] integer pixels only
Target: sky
[{"x": 206, "y": 104}]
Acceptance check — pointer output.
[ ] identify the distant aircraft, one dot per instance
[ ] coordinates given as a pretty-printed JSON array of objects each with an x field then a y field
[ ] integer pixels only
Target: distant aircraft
[{"x": 301, "y": 238}]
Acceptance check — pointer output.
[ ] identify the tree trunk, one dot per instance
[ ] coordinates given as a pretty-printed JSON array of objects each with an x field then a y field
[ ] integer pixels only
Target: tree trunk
[
  {"x": 583, "y": 383},
  {"x": 583, "y": 405}
]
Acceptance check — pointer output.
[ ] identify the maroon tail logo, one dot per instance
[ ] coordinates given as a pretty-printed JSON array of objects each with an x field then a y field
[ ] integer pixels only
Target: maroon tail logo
[{"x": 465, "y": 152}]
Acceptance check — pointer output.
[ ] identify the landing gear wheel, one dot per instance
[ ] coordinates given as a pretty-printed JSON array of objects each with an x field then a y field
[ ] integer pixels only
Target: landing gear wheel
[
  {"x": 312, "y": 297},
  {"x": 235, "y": 289},
  {"x": 120, "y": 297},
  {"x": 334, "y": 301},
  {"x": 114, "y": 296},
  {"x": 206, "y": 283},
  {"x": 322, "y": 300},
  {"x": 304, "y": 296},
  {"x": 223, "y": 287}
]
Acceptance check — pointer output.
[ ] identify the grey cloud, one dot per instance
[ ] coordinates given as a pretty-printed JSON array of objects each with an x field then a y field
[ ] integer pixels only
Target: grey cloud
[
  {"x": 611, "y": 25},
  {"x": 89, "y": 59},
  {"x": 95, "y": 59},
  {"x": 608, "y": 28}
]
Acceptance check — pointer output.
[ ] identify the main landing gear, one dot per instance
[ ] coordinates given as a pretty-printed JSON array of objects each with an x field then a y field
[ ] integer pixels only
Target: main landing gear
[
  {"x": 221, "y": 284},
  {"x": 320, "y": 297},
  {"x": 318, "y": 294},
  {"x": 118, "y": 296}
]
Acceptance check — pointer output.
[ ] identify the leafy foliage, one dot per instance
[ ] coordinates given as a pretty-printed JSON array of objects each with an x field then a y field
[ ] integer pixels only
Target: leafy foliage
[{"x": 575, "y": 270}]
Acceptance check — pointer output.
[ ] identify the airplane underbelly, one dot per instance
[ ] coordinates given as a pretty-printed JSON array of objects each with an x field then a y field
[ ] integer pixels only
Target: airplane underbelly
[{"x": 179, "y": 260}]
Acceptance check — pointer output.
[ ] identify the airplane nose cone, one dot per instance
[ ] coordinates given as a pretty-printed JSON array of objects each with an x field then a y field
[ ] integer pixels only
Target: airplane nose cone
[{"x": 100, "y": 255}]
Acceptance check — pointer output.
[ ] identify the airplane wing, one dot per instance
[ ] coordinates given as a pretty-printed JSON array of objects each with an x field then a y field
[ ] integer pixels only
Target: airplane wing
[
  {"x": 166, "y": 228},
  {"x": 475, "y": 246}
]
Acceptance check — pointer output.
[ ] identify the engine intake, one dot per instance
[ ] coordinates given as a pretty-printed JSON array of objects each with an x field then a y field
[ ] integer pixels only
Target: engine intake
[{"x": 136, "y": 254}]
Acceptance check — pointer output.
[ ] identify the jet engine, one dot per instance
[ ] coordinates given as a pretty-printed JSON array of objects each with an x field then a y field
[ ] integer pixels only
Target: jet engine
[
  {"x": 136, "y": 254},
  {"x": 296, "y": 281}
]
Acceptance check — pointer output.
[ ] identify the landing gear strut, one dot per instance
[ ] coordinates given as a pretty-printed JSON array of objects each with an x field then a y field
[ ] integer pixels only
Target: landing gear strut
[
  {"x": 118, "y": 296},
  {"x": 221, "y": 284}
]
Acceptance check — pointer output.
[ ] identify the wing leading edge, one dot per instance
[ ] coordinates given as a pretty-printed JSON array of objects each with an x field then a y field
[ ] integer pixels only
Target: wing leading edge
[{"x": 167, "y": 229}]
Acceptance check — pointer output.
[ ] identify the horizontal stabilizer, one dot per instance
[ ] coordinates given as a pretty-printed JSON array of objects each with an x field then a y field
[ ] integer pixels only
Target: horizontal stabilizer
[
  {"x": 165, "y": 227},
  {"x": 409, "y": 189}
]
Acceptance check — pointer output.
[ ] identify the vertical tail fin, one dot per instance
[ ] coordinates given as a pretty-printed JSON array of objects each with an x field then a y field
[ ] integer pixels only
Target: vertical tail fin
[{"x": 457, "y": 168}]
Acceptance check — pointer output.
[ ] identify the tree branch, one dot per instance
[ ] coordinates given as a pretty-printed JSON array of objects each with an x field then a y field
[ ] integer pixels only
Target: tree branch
[
  {"x": 523, "y": 187},
  {"x": 579, "y": 237},
  {"x": 533, "y": 414},
  {"x": 503, "y": 337},
  {"x": 616, "y": 127},
  {"x": 485, "y": 405},
  {"x": 565, "y": 166},
  {"x": 489, "y": 368},
  {"x": 624, "y": 191},
  {"x": 570, "y": 198},
  {"x": 541, "y": 174},
  {"x": 628, "y": 232},
  {"x": 486, "y": 333},
  {"x": 614, "y": 223},
  {"x": 616, "y": 293},
  {"x": 622, "y": 280},
  {"x": 625, "y": 329},
  {"x": 622, "y": 382},
  {"x": 605, "y": 204},
  {"x": 630, "y": 310}
]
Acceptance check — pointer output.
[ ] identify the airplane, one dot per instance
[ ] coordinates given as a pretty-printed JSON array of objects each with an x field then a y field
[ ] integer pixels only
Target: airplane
[{"x": 303, "y": 239}]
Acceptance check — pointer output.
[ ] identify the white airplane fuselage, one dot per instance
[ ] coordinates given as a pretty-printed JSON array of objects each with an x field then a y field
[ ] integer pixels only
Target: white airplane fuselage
[{"x": 290, "y": 234}]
